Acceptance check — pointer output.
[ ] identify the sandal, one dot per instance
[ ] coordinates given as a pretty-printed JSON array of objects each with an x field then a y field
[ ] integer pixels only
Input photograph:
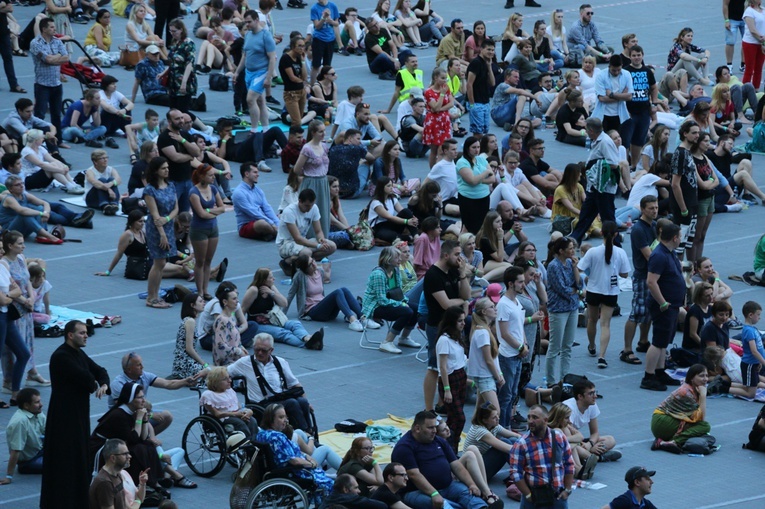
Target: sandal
[
  {"x": 20, "y": 53},
  {"x": 19, "y": 90},
  {"x": 184, "y": 482},
  {"x": 158, "y": 304},
  {"x": 491, "y": 499},
  {"x": 37, "y": 380},
  {"x": 629, "y": 358},
  {"x": 4, "y": 405}
]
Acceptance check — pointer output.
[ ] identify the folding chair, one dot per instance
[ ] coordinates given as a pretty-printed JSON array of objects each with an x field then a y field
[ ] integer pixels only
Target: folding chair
[{"x": 371, "y": 344}]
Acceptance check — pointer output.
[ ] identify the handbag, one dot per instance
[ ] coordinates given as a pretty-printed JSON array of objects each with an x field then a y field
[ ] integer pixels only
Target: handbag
[
  {"x": 13, "y": 312},
  {"x": 277, "y": 317},
  {"x": 219, "y": 82},
  {"x": 395, "y": 294},
  {"x": 563, "y": 224},
  {"x": 291, "y": 393},
  {"x": 137, "y": 268},
  {"x": 130, "y": 58},
  {"x": 361, "y": 234}
]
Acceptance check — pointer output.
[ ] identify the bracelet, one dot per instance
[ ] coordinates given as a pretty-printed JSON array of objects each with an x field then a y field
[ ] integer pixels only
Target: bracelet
[
  {"x": 718, "y": 279},
  {"x": 208, "y": 210},
  {"x": 406, "y": 222},
  {"x": 139, "y": 501},
  {"x": 108, "y": 273},
  {"x": 727, "y": 21},
  {"x": 168, "y": 218},
  {"x": 206, "y": 365},
  {"x": 224, "y": 141},
  {"x": 584, "y": 133},
  {"x": 9, "y": 476},
  {"x": 725, "y": 128},
  {"x": 42, "y": 213},
  {"x": 447, "y": 387},
  {"x": 220, "y": 172},
  {"x": 374, "y": 462},
  {"x": 139, "y": 421},
  {"x": 684, "y": 213},
  {"x": 183, "y": 140},
  {"x": 665, "y": 305},
  {"x": 434, "y": 494},
  {"x": 528, "y": 320}
]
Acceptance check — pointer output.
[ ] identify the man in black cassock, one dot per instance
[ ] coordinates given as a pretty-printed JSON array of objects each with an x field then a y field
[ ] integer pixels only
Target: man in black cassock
[{"x": 74, "y": 376}]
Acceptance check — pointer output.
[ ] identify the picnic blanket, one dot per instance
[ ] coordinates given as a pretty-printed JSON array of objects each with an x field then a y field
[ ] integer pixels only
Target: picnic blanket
[
  {"x": 79, "y": 201},
  {"x": 60, "y": 316},
  {"x": 679, "y": 374}
]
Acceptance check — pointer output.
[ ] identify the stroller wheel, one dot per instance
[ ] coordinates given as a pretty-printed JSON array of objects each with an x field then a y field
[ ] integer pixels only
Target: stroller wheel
[{"x": 65, "y": 104}]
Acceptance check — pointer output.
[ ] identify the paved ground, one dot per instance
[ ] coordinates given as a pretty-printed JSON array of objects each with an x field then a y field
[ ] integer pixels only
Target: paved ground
[{"x": 344, "y": 381}]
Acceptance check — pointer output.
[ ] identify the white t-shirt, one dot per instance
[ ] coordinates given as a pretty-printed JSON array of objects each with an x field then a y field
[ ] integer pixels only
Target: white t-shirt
[
  {"x": 455, "y": 353},
  {"x": 604, "y": 279},
  {"x": 345, "y": 110},
  {"x": 445, "y": 173},
  {"x": 512, "y": 312},
  {"x": 579, "y": 419},
  {"x": 648, "y": 152},
  {"x": 115, "y": 100},
  {"x": 303, "y": 221},
  {"x": 404, "y": 109},
  {"x": 28, "y": 168},
  {"x": 557, "y": 41},
  {"x": 389, "y": 205},
  {"x": 5, "y": 283},
  {"x": 643, "y": 187},
  {"x": 587, "y": 84},
  {"x": 759, "y": 23},
  {"x": 476, "y": 365}
]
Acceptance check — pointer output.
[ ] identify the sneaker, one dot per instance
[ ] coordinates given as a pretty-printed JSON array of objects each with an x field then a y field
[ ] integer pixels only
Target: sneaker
[
  {"x": 82, "y": 219},
  {"x": 388, "y": 346},
  {"x": 664, "y": 378},
  {"x": 356, "y": 326},
  {"x": 296, "y": 4},
  {"x": 742, "y": 67},
  {"x": 440, "y": 409},
  {"x": 372, "y": 324},
  {"x": 344, "y": 52},
  {"x": 518, "y": 417},
  {"x": 78, "y": 139},
  {"x": 652, "y": 384},
  {"x": 80, "y": 20},
  {"x": 510, "y": 4},
  {"x": 532, "y": 3},
  {"x": 262, "y": 166},
  {"x": 409, "y": 44},
  {"x": 120, "y": 133},
  {"x": 75, "y": 189},
  {"x": 111, "y": 143},
  {"x": 611, "y": 455},
  {"x": 271, "y": 100},
  {"x": 642, "y": 347},
  {"x": 316, "y": 341},
  {"x": 422, "y": 45},
  {"x": 279, "y": 6},
  {"x": 602, "y": 363},
  {"x": 408, "y": 343},
  {"x": 110, "y": 209},
  {"x": 434, "y": 42},
  {"x": 94, "y": 144},
  {"x": 386, "y": 76}
]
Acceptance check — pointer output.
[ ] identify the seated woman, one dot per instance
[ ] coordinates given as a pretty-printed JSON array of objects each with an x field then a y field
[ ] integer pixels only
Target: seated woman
[
  {"x": 492, "y": 440},
  {"x": 705, "y": 271},
  {"x": 338, "y": 224},
  {"x": 186, "y": 360},
  {"x": 389, "y": 165},
  {"x": 28, "y": 214},
  {"x": 569, "y": 197},
  {"x": 491, "y": 244},
  {"x": 39, "y": 168},
  {"x": 308, "y": 287},
  {"x": 220, "y": 401},
  {"x": 384, "y": 299},
  {"x": 427, "y": 246},
  {"x": 572, "y": 80},
  {"x": 405, "y": 268},
  {"x": 98, "y": 41},
  {"x": 132, "y": 243},
  {"x": 287, "y": 454},
  {"x": 701, "y": 114},
  {"x": 473, "y": 257},
  {"x": 261, "y": 296},
  {"x": 559, "y": 418},
  {"x": 387, "y": 217},
  {"x": 681, "y": 57},
  {"x": 139, "y": 35},
  {"x": 681, "y": 415},
  {"x": 528, "y": 193},
  {"x": 571, "y": 118},
  {"x": 740, "y": 93},
  {"x": 128, "y": 420},
  {"x": 101, "y": 184},
  {"x": 214, "y": 52},
  {"x": 290, "y": 191},
  {"x": 361, "y": 464},
  {"x": 724, "y": 111},
  {"x": 116, "y": 109},
  {"x": 427, "y": 202},
  {"x": 227, "y": 340},
  {"x": 251, "y": 149},
  {"x": 652, "y": 152},
  {"x": 654, "y": 183}
]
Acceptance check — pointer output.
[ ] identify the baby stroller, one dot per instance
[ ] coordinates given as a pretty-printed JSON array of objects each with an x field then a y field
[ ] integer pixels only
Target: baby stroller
[{"x": 88, "y": 77}]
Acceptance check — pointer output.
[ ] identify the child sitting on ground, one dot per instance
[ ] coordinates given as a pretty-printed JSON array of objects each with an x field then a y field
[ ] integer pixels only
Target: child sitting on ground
[
  {"x": 754, "y": 352},
  {"x": 141, "y": 132},
  {"x": 42, "y": 288}
]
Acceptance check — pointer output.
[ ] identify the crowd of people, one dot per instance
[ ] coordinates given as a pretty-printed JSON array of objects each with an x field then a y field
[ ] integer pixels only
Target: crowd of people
[{"x": 453, "y": 259}]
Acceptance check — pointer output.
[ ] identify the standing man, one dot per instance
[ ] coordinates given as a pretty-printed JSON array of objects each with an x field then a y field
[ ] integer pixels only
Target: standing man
[
  {"x": 48, "y": 53},
  {"x": 603, "y": 174},
  {"x": 644, "y": 87},
  {"x": 446, "y": 284},
  {"x": 733, "y": 14},
  {"x": 406, "y": 79},
  {"x": 25, "y": 434},
  {"x": 480, "y": 82},
  {"x": 259, "y": 62},
  {"x": 512, "y": 346},
  {"x": 326, "y": 22},
  {"x": 639, "y": 484},
  {"x": 255, "y": 218},
  {"x": 667, "y": 293},
  {"x": 584, "y": 37},
  {"x": 584, "y": 410},
  {"x": 74, "y": 377},
  {"x": 684, "y": 194},
  {"x": 107, "y": 491},
  {"x": 641, "y": 239},
  {"x": 179, "y": 151},
  {"x": 541, "y": 464},
  {"x": 6, "y": 7},
  {"x": 614, "y": 89}
]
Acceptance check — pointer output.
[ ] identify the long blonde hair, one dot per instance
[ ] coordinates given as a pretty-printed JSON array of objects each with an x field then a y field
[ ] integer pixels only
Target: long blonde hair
[
  {"x": 145, "y": 25},
  {"x": 481, "y": 322}
]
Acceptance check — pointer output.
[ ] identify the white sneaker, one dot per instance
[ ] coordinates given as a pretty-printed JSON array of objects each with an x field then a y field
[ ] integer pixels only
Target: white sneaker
[
  {"x": 262, "y": 166},
  {"x": 371, "y": 324},
  {"x": 356, "y": 326},
  {"x": 388, "y": 346},
  {"x": 75, "y": 189},
  {"x": 408, "y": 342},
  {"x": 547, "y": 214}
]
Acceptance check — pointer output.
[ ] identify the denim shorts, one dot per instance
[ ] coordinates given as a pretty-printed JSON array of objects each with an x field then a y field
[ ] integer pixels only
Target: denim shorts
[
  {"x": 730, "y": 35},
  {"x": 485, "y": 384},
  {"x": 480, "y": 118}
]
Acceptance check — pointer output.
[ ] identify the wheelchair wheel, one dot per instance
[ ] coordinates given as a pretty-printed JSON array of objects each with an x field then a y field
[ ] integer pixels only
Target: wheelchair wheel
[
  {"x": 277, "y": 493},
  {"x": 204, "y": 446}
]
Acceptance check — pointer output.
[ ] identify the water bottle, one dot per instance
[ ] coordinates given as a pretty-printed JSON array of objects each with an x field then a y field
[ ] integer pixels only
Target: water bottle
[
  {"x": 588, "y": 143},
  {"x": 544, "y": 382},
  {"x": 628, "y": 224},
  {"x": 286, "y": 282}
]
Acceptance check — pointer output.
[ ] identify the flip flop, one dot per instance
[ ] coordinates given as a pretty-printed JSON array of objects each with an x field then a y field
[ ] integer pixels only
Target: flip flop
[
  {"x": 19, "y": 90},
  {"x": 158, "y": 304},
  {"x": 4, "y": 405},
  {"x": 629, "y": 358},
  {"x": 735, "y": 277},
  {"x": 184, "y": 482}
]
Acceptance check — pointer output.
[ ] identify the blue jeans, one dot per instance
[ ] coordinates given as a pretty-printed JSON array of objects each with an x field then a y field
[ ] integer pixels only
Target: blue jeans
[
  {"x": 49, "y": 98},
  {"x": 505, "y": 113},
  {"x": 562, "y": 332},
  {"x": 182, "y": 188},
  {"x": 558, "y": 504},
  {"x": 33, "y": 466},
  {"x": 97, "y": 198},
  {"x": 730, "y": 35},
  {"x": 340, "y": 300},
  {"x": 9, "y": 335},
  {"x": 624, "y": 213},
  {"x": 557, "y": 62},
  {"x": 91, "y": 134},
  {"x": 291, "y": 334},
  {"x": 341, "y": 239},
  {"x": 508, "y": 393},
  {"x": 455, "y": 495},
  {"x": 382, "y": 63},
  {"x": 416, "y": 149}
]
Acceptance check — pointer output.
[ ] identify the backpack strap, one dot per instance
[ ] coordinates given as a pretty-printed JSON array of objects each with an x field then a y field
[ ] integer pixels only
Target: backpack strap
[{"x": 264, "y": 386}]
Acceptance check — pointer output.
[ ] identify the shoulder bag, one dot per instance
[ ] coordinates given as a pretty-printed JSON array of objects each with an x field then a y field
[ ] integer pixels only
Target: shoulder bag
[
  {"x": 265, "y": 388},
  {"x": 545, "y": 495},
  {"x": 361, "y": 234},
  {"x": 277, "y": 317}
]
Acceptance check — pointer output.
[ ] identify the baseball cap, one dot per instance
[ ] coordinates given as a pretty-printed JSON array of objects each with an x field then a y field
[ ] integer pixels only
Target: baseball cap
[
  {"x": 635, "y": 473},
  {"x": 417, "y": 93},
  {"x": 152, "y": 48},
  {"x": 494, "y": 292}
]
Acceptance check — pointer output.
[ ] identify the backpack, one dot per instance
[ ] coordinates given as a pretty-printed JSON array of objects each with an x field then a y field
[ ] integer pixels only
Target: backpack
[
  {"x": 683, "y": 357},
  {"x": 219, "y": 82},
  {"x": 700, "y": 445},
  {"x": 757, "y": 143},
  {"x": 351, "y": 426}
]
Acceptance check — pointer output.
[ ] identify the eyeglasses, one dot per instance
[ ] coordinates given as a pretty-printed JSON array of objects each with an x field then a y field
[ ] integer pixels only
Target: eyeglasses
[
  {"x": 538, "y": 148},
  {"x": 400, "y": 475},
  {"x": 265, "y": 350},
  {"x": 330, "y": 74},
  {"x": 126, "y": 453},
  {"x": 558, "y": 10},
  {"x": 365, "y": 105},
  {"x": 589, "y": 13},
  {"x": 592, "y": 393}
]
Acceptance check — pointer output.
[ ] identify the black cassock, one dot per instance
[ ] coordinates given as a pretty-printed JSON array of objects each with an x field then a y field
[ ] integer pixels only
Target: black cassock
[{"x": 66, "y": 476}]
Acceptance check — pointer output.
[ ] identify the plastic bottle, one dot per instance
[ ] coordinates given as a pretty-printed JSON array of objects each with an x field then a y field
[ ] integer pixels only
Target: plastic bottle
[
  {"x": 588, "y": 143},
  {"x": 287, "y": 281},
  {"x": 628, "y": 224},
  {"x": 544, "y": 382},
  {"x": 326, "y": 265}
]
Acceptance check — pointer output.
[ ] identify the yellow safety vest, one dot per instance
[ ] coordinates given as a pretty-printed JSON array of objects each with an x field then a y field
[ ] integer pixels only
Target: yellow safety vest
[
  {"x": 454, "y": 85},
  {"x": 409, "y": 82}
]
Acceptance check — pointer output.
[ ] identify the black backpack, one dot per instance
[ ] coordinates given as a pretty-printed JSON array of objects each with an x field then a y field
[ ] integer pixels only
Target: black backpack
[
  {"x": 757, "y": 435},
  {"x": 219, "y": 82}
]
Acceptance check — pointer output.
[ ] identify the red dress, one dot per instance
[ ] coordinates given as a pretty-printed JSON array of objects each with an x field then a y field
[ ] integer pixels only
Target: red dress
[{"x": 438, "y": 126}]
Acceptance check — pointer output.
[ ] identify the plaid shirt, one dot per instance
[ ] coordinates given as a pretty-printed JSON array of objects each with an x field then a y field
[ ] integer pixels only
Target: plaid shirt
[
  {"x": 674, "y": 54},
  {"x": 47, "y": 74},
  {"x": 376, "y": 293},
  {"x": 530, "y": 459}
]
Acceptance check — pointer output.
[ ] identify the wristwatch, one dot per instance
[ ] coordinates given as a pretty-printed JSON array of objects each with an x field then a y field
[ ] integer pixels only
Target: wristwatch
[{"x": 568, "y": 490}]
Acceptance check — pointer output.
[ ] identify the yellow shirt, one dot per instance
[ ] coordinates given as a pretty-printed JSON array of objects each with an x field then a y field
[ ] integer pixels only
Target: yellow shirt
[
  {"x": 119, "y": 7},
  {"x": 90, "y": 39}
]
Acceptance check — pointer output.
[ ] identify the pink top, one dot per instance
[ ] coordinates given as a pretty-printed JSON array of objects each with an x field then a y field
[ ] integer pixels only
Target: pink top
[
  {"x": 225, "y": 401},
  {"x": 426, "y": 253},
  {"x": 314, "y": 290},
  {"x": 315, "y": 166}
]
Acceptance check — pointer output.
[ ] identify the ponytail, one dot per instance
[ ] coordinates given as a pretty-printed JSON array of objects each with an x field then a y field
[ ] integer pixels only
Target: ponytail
[{"x": 609, "y": 230}]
